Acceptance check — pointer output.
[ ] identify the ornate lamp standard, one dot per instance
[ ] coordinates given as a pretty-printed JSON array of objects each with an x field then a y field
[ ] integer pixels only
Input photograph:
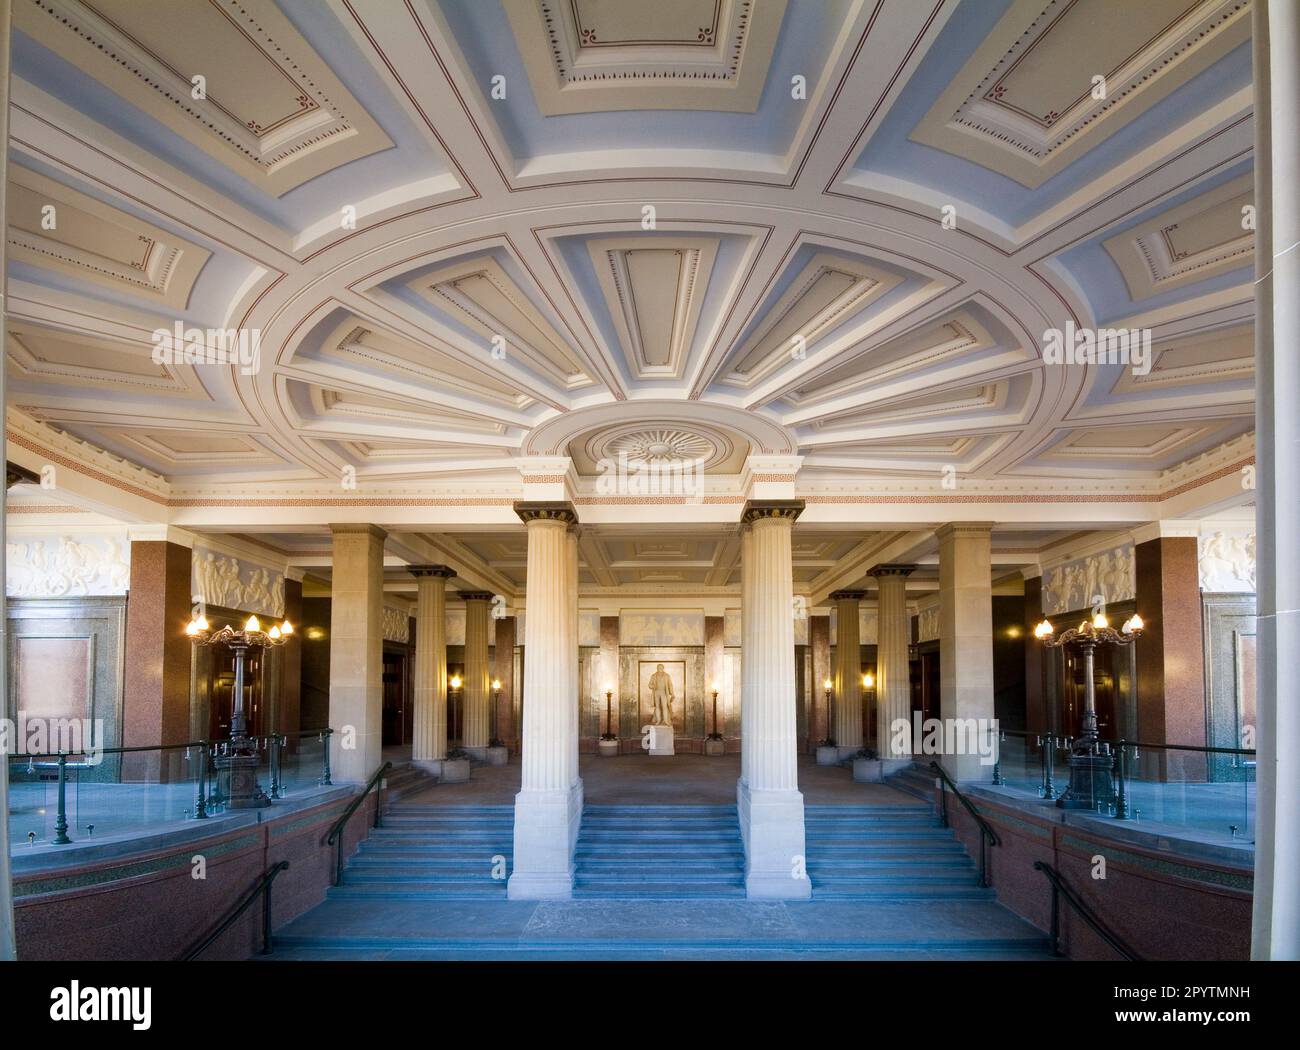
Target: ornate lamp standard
[
  {"x": 453, "y": 687},
  {"x": 713, "y": 743},
  {"x": 869, "y": 695},
  {"x": 608, "y": 744},
  {"x": 1090, "y": 761},
  {"x": 239, "y": 766},
  {"x": 494, "y": 740},
  {"x": 827, "y": 753}
]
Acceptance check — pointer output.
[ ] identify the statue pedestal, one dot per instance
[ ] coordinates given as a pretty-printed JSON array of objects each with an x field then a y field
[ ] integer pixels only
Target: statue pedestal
[
  {"x": 607, "y": 748},
  {"x": 658, "y": 739}
]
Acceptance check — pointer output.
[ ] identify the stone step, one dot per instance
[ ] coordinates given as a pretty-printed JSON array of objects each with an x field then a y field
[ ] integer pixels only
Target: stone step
[{"x": 657, "y": 891}]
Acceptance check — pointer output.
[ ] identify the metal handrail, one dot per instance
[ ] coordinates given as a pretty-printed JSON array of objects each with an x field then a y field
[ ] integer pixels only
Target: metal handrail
[
  {"x": 263, "y": 890},
  {"x": 336, "y": 831},
  {"x": 1059, "y": 890},
  {"x": 987, "y": 835}
]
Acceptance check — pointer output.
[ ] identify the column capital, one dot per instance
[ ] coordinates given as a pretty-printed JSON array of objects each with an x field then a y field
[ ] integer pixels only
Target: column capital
[
  {"x": 445, "y": 571},
  {"x": 892, "y": 570},
  {"x": 964, "y": 528},
  {"x": 546, "y": 510},
  {"x": 346, "y": 527},
  {"x": 847, "y": 596},
  {"x": 476, "y": 596},
  {"x": 756, "y": 509}
]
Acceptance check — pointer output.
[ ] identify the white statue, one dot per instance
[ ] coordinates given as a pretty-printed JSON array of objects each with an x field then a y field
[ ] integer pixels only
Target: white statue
[{"x": 661, "y": 692}]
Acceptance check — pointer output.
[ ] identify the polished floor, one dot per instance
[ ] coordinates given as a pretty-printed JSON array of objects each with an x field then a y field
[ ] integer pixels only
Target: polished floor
[{"x": 678, "y": 780}]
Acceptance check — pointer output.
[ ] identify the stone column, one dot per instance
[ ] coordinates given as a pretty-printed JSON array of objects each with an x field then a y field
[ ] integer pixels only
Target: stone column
[
  {"x": 503, "y": 669},
  {"x": 156, "y": 687},
  {"x": 966, "y": 641},
  {"x": 848, "y": 672},
  {"x": 769, "y": 803},
  {"x": 357, "y": 651},
  {"x": 893, "y": 678},
  {"x": 429, "y": 717},
  {"x": 289, "y": 718},
  {"x": 819, "y": 644},
  {"x": 478, "y": 697},
  {"x": 1037, "y": 719},
  {"x": 548, "y": 808},
  {"x": 1276, "y": 925},
  {"x": 1170, "y": 654}
]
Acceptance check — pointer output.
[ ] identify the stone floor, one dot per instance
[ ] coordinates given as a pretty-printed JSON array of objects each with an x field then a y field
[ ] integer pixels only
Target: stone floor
[{"x": 679, "y": 780}]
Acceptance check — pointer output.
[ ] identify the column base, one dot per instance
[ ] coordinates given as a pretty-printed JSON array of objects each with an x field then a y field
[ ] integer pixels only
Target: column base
[
  {"x": 546, "y": 832},
  {"x": 771, "y": 825}
]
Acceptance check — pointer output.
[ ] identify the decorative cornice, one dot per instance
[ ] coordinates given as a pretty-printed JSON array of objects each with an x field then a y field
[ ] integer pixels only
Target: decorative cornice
[
  {"x": 445, "y": 571},
  {"x": 546, "y": 510},
  {"x": 786, "y": 509}
]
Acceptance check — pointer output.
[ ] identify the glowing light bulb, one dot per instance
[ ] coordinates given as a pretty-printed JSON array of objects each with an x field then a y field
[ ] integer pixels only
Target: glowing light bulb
[
  {"x": 714, "y": 687},
  {"x": 455, "y": 681},
  {"x": 274, "y": 633},
  {"x": 827, "y": 684},
  {"x": 496, "y": 683},
  {"x": 192, "y": 628},
  {"x": 252, "y": 624},
  {"x": 1044, "y": 629},
  {"x": 286, "y": 628},
  {"x": 1133, "y": 624},
  {"x": 1099, "y": 621},
  {"x": 867, "y": 681}
]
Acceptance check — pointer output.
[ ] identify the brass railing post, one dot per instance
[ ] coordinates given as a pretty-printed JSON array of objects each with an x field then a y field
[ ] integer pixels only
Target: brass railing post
[{"x": 61, "y": 820}]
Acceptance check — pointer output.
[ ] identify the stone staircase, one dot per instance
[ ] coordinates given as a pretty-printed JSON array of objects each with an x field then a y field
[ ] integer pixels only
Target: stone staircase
[
  {"x": 405, "y": 780},
  {"x": 896, "y": 853},
  {"x": 916, "y": 780},
  {"x": 659, "y": 852},
  {"x": 432, "y": 853}
]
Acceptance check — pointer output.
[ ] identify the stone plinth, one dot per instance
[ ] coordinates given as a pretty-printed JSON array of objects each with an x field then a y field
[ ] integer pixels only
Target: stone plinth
[{"x": 658, "y": 739}]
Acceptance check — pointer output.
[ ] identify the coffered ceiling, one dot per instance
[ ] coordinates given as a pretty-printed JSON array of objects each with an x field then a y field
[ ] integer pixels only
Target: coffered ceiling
[{"x": 473, "y": 237}]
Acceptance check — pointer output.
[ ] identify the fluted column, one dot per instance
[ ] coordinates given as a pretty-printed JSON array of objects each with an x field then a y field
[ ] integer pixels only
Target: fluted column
[
  {"x": 848, "y": 672},
  {"x": 1276, "y": 922},
  {"x": 429, "y": 716},
  {"x": 356, "y": 650},
  {"x": 769, "y": 804},
  {"x": 548, "y": 808},
  {"x": 893, "y": 681},
  {"x": 477, "y": 732}
]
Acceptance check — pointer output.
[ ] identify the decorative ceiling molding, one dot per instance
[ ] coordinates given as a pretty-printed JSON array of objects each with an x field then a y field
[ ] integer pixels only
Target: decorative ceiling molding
[
  {"x": 55, "y": 227},
  {"x": 588, "y": 56},
  {"x": 829, "y": 292},
  {"x": 1199, "y": 239},
  {"x": 654, "y": 289},
  {"x": 479, "y": 294},
  {"x": 1023, "y": 104},
  {"x": 273, "y": 110}
]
